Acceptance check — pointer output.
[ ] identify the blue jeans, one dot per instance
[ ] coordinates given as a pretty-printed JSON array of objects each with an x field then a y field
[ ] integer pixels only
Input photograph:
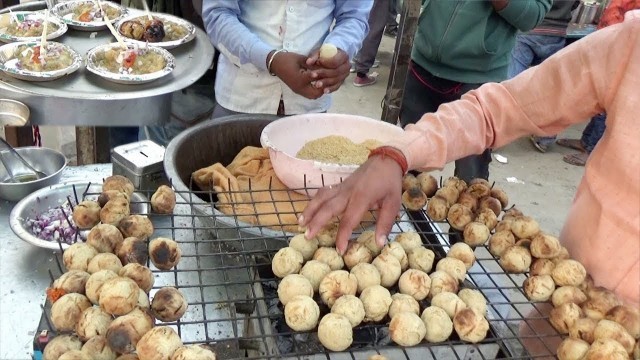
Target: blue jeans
[{"x": 593, "y": 132}]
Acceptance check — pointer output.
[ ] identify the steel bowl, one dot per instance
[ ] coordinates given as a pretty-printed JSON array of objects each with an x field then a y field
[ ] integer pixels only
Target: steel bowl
[
  {"x": 49, "y": 161},
  {"x": 13, "y": 113}
]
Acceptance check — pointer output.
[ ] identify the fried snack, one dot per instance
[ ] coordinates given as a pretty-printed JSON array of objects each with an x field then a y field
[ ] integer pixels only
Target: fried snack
[
  {"x": 95, "y": 283},
  {"x": 407, "y": 329},
  {"x": 599, "y": 302},
  {"x": 449, "y": 194},
  {"x": 97, "y": 348},
  {"x": 366, "y": 274},
  {"x": 409, "y": 181},
  {"x": 468, "y": 200},
  {"x": 73, "y": 281},
  {"x": 108, "y": 195},
  {"x": 376, "y": 301},
  {"x": 501, "y": 195},
  {"x": 105, "y": 238},
  {"x": 479, "y": 189},
  {"x": 194, "y": 352},
  {"x": 456, "y": 182},
  {"x": 524, "y": 227},
  {"x": 541, "y": 267},
  {"x": 350, "y": 307},
  {"x": 539, "y": 288},
  {"x": 114, "y": 211},
  {"x": 60, "y": 345},
  {"x": 626, "y": 316},
  {"x": 606, "y": 349},
  {"x": 314, "y": 271},
  {"x": 487, "y": 217},
  {"x": 293, "y": 285},
  {"x": 607, "y": 329}
]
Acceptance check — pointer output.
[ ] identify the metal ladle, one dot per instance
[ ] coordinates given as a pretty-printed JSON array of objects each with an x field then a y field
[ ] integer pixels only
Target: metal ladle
[{"x": 36, "y": 173}]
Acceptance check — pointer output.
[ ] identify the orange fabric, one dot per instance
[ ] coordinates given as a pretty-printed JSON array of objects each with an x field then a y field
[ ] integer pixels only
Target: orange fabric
[
  {"x": 614, "y": 13},
  {"x": 598, "y": 73}
]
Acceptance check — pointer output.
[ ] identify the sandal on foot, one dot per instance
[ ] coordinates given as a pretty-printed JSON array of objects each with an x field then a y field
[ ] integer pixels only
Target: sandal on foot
[
  {"x": 574, "y": 144},
  {"x": 370, "y": 79},
  {"x": 579, "y": 159},
  {"x": 541, "y": 147}
]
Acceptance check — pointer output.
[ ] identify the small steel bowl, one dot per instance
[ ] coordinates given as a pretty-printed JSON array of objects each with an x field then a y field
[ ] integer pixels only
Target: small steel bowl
[
  {"x": 49, "y": 161},
  {"x": 13, "y": 113}
]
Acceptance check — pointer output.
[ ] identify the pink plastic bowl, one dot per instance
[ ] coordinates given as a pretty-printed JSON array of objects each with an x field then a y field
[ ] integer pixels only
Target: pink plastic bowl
[{"x": 286, "y": 136}]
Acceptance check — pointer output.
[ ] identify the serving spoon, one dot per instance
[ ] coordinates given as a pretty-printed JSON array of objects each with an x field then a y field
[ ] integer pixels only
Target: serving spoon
[{"x": 36, "y": 173}]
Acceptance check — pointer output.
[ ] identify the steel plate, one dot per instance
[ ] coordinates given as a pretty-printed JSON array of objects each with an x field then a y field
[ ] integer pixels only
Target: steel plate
[
  {"x": 5, "y": 20},
  {"x": 65, "y": 11},
  {"x": 8, "y": 63}
]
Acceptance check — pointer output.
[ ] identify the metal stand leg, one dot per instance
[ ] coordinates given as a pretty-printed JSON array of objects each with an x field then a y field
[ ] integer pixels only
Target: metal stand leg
[{"x": 86, "y": 145}]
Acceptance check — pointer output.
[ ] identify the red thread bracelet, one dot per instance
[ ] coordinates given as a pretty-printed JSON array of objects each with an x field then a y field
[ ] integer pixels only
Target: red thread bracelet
[{"x": 394, "y": 154}]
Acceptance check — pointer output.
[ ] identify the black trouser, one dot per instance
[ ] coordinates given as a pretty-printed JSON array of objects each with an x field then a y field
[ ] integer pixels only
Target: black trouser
[{"x": 423, "y": 93}]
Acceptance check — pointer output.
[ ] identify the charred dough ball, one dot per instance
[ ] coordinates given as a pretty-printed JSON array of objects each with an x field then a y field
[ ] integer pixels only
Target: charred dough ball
[
  {"x": 628, "y": 317},
  {"x": 329, "y": 256},
  {"x": 368, "y": 239},
  {"x": 74, "y": 355},
  {"x": 438, "y": 325},
  {"x": 95, "y": 283},
  {"x": 86, "y": 214},
  {"x": 165, "y": 253},
  {"x": 449, "y": 194},
  {"x": 541, "y": 267},
  {"x": 293, "y": 285},
  {"x": 389, "y": 268},
  {"x": 108, "y": 195},
  {"x": 583, "y": 329},
  {"x": 501, "y": 241},
  {"x": 350, "y": 307},
  {"x": 77, "y": 256},
  {"x": 93, "y": 321},
  {"x": 118, "y": 183},
  {"x": 193, "y": 352},
  {"x": 409, "y": 181},
  {"x": 403, "y": 303},
  {"x": 335, "y": 333},
  {"x": 449, "y": 302},
  {"x": 459, "y": 216},
  {"x": 456, "y": 182},
  {"x": 376, "y": 300},
  {"x": 407, "y": 329},
  {"x": 158, "y": 343},
  {"x": 73, "y": 281},
  {"x": 607, "y": 329},
  {"x": 428, "y": 184},
  {"x": 315, "y": 271},
  {"x": 516, "y": 259},
  {"x": 474, "y": 300},
  {"x": 414, "y": 199},
  {"x": 396, "y": 250},
  {"x": 421, "y": 258},
  {"x": 125, "y": 331},
  {"x": 606, "y": 349},
  {"x": 367, "y": 275},
  {"x": 104, "y": 261},
  {"x": 67, "y": 310},
  {"x": 305, "y": 247},
  {"x": 462, "y": 252},
  {"x": 437, "y": 208},
  {"x": 441, "y": 281},
  {"x": 409, "y": 240},
  {"x": 468, "y": 200},
  {"x": 415, "y": 283},
  {"x": 163, "y": 200},
  {"x": 138, "y": 226},
  {"x": 563, "y": 317},
  {"x": 539, "y": 288},
  {"x": 60, "y": 345},
  {"x": 133, "y": 250},
  {"x": 568, "y": 294},
  {"x": 501, "y": 195},
  {"x": 470, "y": 326},
  {"x": 114, "y": 211},
  {"x": 105, "y": 238},
  {"x": 97, "y": 348},
  {"x": 476, "y": 233},
  {"x": 301, "y": 313},
  {"x": 572, "y": 349},
  {"x": 140, "y": 274},
  {"x": 336, "y": 284},
  {"x": 453, "y": 267},
  {"x": 356, "y": 253},
  {"x": 568, "y": 272},
  {"x": 119, "y": 296},
  {"x": 524, "y": 227},
  {"x": 168, "y": 304},
  {"x": 490, "y": 203},
  {"x": 488, "y": 218},
  {"x": 545, "y": 246}
]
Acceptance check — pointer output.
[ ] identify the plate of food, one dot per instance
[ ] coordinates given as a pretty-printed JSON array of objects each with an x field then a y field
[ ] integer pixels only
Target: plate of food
[
  {"x": 28, "y": 61},
  {"x": 163, "y": 30},
  {"x": 28, "y": 26},
  {"x": 86, "y": 15},
  {"x": 135, "y": 64}
]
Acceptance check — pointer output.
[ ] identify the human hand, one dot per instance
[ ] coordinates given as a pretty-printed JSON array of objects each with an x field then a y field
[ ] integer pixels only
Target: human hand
[
  {"x": 328, "y": 73},
  {"x": 376, "y": 184},
  {"x": 290, "y": 68}
]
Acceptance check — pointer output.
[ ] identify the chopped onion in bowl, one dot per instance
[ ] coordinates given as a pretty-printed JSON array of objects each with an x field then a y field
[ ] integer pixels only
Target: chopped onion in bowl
[{"x": 53, "y": 225}]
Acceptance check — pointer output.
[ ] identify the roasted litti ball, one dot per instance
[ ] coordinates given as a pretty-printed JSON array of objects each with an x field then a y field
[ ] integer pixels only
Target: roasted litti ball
[
  {"x": 73, "y": 281},
  {"x": 525, "y": 243},
  {"x": 468, "y": 200},
  {"x": 350, "y": 307},
  {"x": 95, "y": 283},
  {"x": 356, "y": 253},
  {"x": 487, "y": 217},
  {"x": 376, "y": 300},
  {"x": 409, "y": 240},
  {"x": 125, "y": 331},
  {"x": 389, "y": 268},
  {"x": 415, "y": 283},
  {"x": 119, "y": 296},
  {"x": 568, "y": 294},
  {"x": 93, "y": 321},
  {"x": 366, "y": 274},
  {"x": 291, "y": 286},
  {"x": 568, "y": 272},
  {"x": 159, "y": 343},
  {"x": 166, "y": 253},
  {"x": 140, "y": 274},
  {"x": 516, "y": 259},
  {"x": 395, "y": 249},
  {"x": 410, "y": 181},
  {"x": 607, "y": 329},
  {"x": 490, "y": 203},
  {"x": 563, "y": 317},
  {"x": 504, "y": 224},
  {"x": 452, "y": 266},
  {"x": 438, "y": 325},
  {"x": 118, "y": 183},
  {"x": 539, "y": 288},
  {"x": 97, "y": 348},
  {"x": 475, "y": 234},
  {"x": 512, "y": 213},
  {"x": 60, "y": 345},
  {"x": 193, "y": 352},
  {"x": 67, "y": 310},
  {"x": 428, "y": 183},
  {"x": 449, "y": 302},
  {"x": 437, "y": 208},
  {"x": 314, "y": 271},
  {"x": 479, "y": 190},
  {"x": 329, "y": 256},
  {"x": 133, "y": 250},
  {"x": 78, "y": 256},
  {"x": 501, "y": 241},
  {"x": 599, "y": 302},
  {"x": 143, "y": 300},
  {"x": 524, "y": 227},
  {"x": 301, "y": 313},
  {"x": 474, "y": 300},
  {"x": 470, "y": 326},
  {"x": 74, "y": 355},
  {"x": 583, "y": 329},
  {"x": 305, "y": 247},
  {"x": 169, "y": 304},
  {"x": 138, "y": 226},
  {"x": 456, "y": 182},
  {"x": 441, "y": 281},
  {"x": 105, "y": 238},
  {"x": 327, "y": 236},
  {"x": 541, "y": 267},
  {"x": 86, "y": 214},
  {"x": 335, "y": 332},
  {"x": 501, "y": 195},
  {"x": 449, "y": 194},
  {"x": 368, "y": 239},
  {"x": 421, "y": 258},
  {"x": 104, "y": 261},
  {"x": 407, "y": 329},
  {"x": 628, "y": 317},
  {"x": 336, "y": 284},
  {"x": 401, "y": 303},
  {"x": 286, "y": 261},
  {"x": 545, "y": 246},
  {"x": 462, "y": 252},
  {"x": 459, "y": 216},
  {"x": 114, "y": 211},
  {"x": 572, "y": 349},
  {"x": 608, "y": 349},
  {"x": 414, "y": 199},
  {"x": 108, "y": 195},
  {"x": 163, "y": 200}
]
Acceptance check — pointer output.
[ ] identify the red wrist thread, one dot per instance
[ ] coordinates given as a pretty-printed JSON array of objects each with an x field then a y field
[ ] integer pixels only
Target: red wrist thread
[{"x": 394, "y": 154}]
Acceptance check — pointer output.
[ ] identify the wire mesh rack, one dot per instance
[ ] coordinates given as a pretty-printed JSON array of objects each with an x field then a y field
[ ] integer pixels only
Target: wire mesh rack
[{"x": 225, "y": 275}]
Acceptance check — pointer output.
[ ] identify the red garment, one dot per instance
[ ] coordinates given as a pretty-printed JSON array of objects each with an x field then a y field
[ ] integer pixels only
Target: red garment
[{"x": 614, "y": 13}]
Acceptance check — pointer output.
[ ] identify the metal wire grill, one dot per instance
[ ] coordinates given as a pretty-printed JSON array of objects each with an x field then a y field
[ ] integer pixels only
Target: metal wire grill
[{"x": 225, "y": 274}]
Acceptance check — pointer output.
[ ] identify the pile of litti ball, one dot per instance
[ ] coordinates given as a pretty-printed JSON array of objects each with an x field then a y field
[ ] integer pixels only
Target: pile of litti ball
[
  {"x": 395, "y": 285},
  {"x": 100, "y": 307}
]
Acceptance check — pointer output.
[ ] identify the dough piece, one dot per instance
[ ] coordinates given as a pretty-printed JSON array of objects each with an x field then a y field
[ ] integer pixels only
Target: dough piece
[
  {"x": 140, "y": 274},
  {"x": 73, "y": 281},
  {"x": 193, "y": 352},
  {"x": 421, "y": 258},
  {"x": 119, "y": 296},
  {"x": 395, "y": 249},
  {"x": 468, "y": 200},
  {"x": 414, "y": 199},
  {"x": 583, "y": 329},
  {"x": 293, "y": 285},
  {"x": 104, "y": 261},
  {"x": 86, "y": 214},
  {"x": 487, "y": 217},
  {"x": 438, "y": 325},
  {"x": 163, "y": 201},
  {"x": 607, "y": 329},
  {"x": 125, "y": 331},
  {"x": 118, "y": 183},
  {"x": 93, "y": 321},
  {"x": 158, "y": 343},
  {"x": 600, "y": 301},
  {"x": 516, "y": 259},
  {"x": 452, "y": 266},
  {"x": 367, "y": 275},
  {"x": 415, "y": 283},
  {"x": 479, "y": 189},
  {"x": 108, "y": 195},
  {"x": 470, "y": 326},
  {"x": 449, "y": 302},
  {"x": 545, "y": 246},
  {"x": 304, "y": 246},
  {"x": 336, "y": 284},
  {"x": 409, "y": 240},
  {"x": 459, "y": 216},
  {"x": 376, "y": 300},
  {"x": 356, "y": 253},
  {"x": 501, "y": 195},
  {"x": 114, "y": 211},
  {"x": 626, "y": 316},
  {"x": 407, "y": 329},
  {"x": 350, "y": 307},
  {"x": 568, "y": 272},
  {"x": 572, "y": 349},
  {"x": 524, "y": 227},
  {"x": 389, "y": 268},
  {"x": 74, "y": 355},
  {"x": 133, "y": 250},
  {"x": 541, "y": 267},
  {"x": 169, "y": 304},
  {"x": 301, "y": 313},
  {"x": 428, "y": 184},
  {"x": 456, "y": 182},
  {"x": 501, "y": 241},
  {"x": 335, "y": 332},
  {"x": 437, "y": 208},
  {"x": 96, "y": 348},
  {"x": 568, "y": 294},
  {"x": 401, "y": 303},
  {"x": 77, "y": 256},
  {"x": 474, "y": 300},
  {"x": 315, "y": 271},
  {"x": 329, "y": 256},
  {"x": 368, "y": 239},
  {"x": 409, "y": 181},
  {"x": 539, "y": 288},
  {"x": 449, "y": 194},
  {"x": 504, "y": 224},
  {"x": 442, "y": 282},
  {"x": 490, "y": 203},
  {"x": 564, "y": 316},
  {"x": 327, "y": 236},
  {"x": 462, "y": 252},
  {"x": 60, "y": 345},
  {"x": 95, "y": 283},
  {"x": 476, "y": 234},
  {"x": 606, "y": 349},
  {"x": 138, "y": 226},
  {"x": 165, "y": 253},
  {"x": 67, "y": 310}
]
